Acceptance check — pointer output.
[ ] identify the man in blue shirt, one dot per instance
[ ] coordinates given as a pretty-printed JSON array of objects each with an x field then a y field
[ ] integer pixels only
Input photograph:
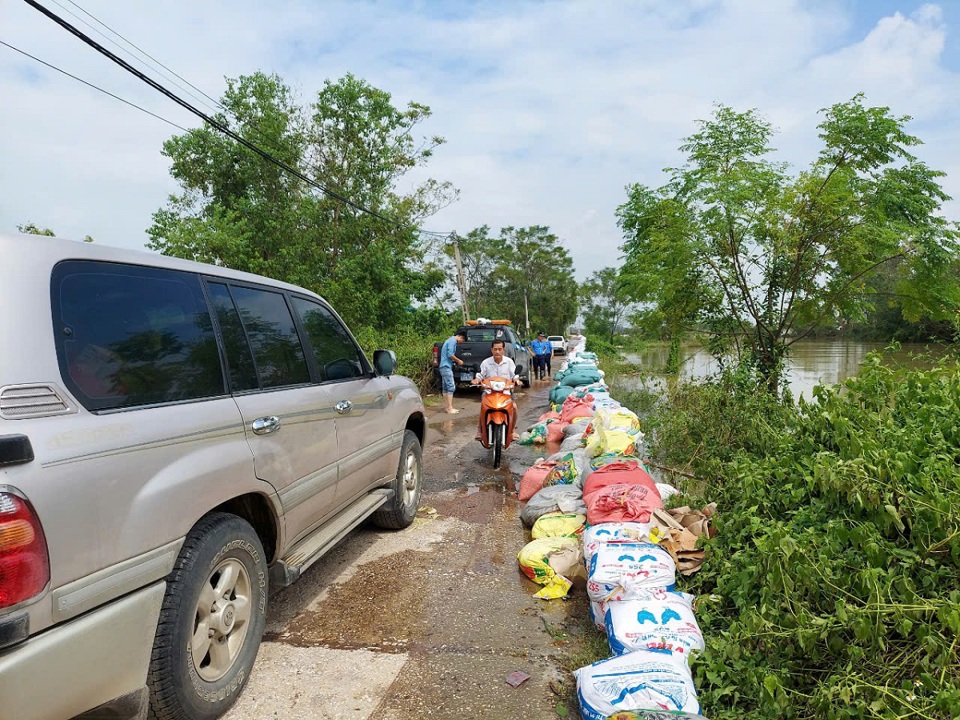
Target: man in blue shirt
[
  {"x": 542, "y": 351},
  {"x": 448, "y": 356}
]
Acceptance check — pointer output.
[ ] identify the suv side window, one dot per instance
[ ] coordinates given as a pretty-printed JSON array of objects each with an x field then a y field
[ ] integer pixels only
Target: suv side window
[
  {"x": 338, "y": 357},
  {"x": 273, "y": 337},
  {"x": 243, "y": 372},
  {"x": 128, "y": 335}
]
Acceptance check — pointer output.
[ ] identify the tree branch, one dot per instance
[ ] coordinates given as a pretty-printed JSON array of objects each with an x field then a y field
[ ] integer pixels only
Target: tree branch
[{"x": 840, "y": 291}]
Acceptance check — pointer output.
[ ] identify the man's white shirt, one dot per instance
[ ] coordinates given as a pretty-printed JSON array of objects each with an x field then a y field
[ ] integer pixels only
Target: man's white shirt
[{"x": 505, "y": 368}]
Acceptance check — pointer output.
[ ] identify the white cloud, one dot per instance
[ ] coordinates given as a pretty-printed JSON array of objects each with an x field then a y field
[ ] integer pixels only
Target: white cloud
[{"x": 550, "y": 109}]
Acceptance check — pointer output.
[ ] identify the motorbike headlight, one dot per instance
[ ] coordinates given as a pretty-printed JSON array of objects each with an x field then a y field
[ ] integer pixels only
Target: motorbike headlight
[{"x": 498, "y": 385}]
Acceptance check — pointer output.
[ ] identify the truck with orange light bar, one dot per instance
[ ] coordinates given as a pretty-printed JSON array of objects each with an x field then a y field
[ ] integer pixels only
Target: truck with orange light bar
[{"x": 480, "y": 333}]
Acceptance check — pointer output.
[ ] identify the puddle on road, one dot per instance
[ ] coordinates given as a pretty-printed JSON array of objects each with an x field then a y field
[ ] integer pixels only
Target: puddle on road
[
  {"x": 476, "y": 503},
  {"x": 378, "y": 608}
]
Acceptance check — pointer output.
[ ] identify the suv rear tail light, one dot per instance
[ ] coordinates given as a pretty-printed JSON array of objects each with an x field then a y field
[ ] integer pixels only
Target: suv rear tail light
[
  {"x": 24, "y": 563},
  {"x": 436, "y": 356}
]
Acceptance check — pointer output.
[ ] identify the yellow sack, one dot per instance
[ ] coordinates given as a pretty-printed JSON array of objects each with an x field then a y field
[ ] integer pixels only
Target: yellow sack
[
  {"x": 559, "y": 524},
  {"x": 545, "y": 560},
  {"x": 611, "y": 442},
  {"x": 623, "y": 419}
]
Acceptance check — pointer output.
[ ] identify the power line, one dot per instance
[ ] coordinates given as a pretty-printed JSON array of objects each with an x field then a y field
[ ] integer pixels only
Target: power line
[
  {"x": 73, "y": 30},
  {"x": 142, "y": 52},
  {"x": 199, "y": 113},
  {"x": 95, "y": 87}
]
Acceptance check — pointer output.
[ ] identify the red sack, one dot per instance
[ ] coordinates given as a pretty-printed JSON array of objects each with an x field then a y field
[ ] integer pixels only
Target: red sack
[
  {"x": 622, "y": 472},
  {"x": 532, "y": 481},
  {"x": 576, "y": 408},
  {"x": 622, "y": 503},
  {"x": 551, "y": 415},
  {"x": 555, "y": 431}
]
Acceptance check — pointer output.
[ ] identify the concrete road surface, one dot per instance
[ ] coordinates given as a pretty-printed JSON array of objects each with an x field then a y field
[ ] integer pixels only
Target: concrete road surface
[{"x": 427, "y": 622}]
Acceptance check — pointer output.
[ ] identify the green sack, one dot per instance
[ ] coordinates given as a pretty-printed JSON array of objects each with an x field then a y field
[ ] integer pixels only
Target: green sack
[
  {"x": 559, "y": 393},
  {"x": 581, "y": 376}
]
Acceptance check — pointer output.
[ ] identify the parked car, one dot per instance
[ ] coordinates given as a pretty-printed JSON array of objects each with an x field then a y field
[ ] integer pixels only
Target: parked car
[
  {"x": 176, "y": 440},
  {"x": 480, "y": 335},
  {"x": 559, "y": 344}
]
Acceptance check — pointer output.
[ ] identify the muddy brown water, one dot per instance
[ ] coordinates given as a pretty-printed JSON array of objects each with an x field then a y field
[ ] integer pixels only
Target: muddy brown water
[
  {"x": 809, "y": 362},
  {"x": 431, "y": 620}
]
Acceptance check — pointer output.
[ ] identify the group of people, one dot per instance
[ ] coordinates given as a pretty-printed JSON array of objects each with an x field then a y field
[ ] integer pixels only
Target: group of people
[
  {"x": 497, "y": 365},
  {"x": 541, "y": 352}
]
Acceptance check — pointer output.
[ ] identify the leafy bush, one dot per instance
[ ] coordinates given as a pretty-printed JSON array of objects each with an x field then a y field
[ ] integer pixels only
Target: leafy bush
[
  {"x": 832, "y": 589},
  {"x": 701, "y": 427},
  {"x": 414, "y": 351}
]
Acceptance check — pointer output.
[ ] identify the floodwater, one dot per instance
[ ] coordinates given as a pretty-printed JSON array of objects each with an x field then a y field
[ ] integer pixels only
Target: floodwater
[{"x": 810, "y": 362}]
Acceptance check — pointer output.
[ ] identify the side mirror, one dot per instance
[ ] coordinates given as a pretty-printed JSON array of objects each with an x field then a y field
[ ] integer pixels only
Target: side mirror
[{"x": 385, "y": 362}]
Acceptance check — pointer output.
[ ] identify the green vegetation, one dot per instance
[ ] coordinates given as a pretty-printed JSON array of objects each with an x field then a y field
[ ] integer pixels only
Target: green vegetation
[
  {"x": 520, "y": 271},
  {"x": 606, "y": 305},
  {"x": 32, "y": 229},
  {"x": 832, "y": 589},
  {"x": 238, "y": 210},
  {"x": 736, "y": 247}
]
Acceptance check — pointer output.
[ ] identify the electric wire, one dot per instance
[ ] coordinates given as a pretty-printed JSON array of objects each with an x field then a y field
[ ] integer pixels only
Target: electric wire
[
  {"x": 90, "y": 84},
  {"x": 73, "y": 30},
  {"x": 146, "y": 54},
  {"x": 158, "y": 63},
  {"x": 142, "y": 53}
]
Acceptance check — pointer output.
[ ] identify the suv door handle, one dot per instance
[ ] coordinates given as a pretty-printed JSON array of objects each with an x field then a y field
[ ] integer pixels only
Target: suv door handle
[
  {"x": 344, "y": 406},
  {"x": 266, "y": 425}
]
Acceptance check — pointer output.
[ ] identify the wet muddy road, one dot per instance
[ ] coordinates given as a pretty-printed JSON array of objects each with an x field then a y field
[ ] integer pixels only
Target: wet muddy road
[{"x": 428, "y": 621}]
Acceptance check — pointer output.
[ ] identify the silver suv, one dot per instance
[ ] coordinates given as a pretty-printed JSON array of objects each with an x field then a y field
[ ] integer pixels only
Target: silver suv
[{"x": 176, "y": 440}]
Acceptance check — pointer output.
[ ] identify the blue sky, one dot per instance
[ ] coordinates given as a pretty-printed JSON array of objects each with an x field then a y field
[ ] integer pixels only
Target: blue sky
[{"x": 549, "y": 108}]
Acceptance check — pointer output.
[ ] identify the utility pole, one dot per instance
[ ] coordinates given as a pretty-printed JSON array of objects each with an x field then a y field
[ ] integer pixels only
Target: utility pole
[
  {"x": 526, "y": 310},
  {"x": 461, "y": 282}
]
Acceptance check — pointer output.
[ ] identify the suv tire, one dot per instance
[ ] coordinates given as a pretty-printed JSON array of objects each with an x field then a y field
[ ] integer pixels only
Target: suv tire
[
  {"x": 219, "y": 584},
  {"x": 398, "y": 512}
]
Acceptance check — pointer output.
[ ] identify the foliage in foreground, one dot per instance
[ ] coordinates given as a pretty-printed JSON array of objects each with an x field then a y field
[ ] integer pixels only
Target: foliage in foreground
[{"x": 832, "y": 589}]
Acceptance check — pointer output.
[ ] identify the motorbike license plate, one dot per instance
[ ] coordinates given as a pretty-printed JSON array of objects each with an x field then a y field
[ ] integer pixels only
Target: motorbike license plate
[{"x": 466, "y": 377}]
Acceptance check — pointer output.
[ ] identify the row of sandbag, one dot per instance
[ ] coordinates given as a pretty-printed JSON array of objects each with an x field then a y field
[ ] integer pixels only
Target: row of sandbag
[{"x": 597, "y": 486}]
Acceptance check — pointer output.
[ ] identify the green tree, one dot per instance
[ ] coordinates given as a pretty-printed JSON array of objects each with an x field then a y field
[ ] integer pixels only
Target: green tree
[
  {"x": 237, "y": 209},
  {"x": 736, "y": 246},
  {"x": 31, "y": 229},
  {"x": 536, "y": 277},
  {"x": 481, "y": 256},
  {"x": 522, "y": 270},
  {"x": 605, "y": 303}
]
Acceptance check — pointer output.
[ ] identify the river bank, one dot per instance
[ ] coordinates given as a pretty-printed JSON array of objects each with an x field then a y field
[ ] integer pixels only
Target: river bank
[{"x": 831, "y": 589}]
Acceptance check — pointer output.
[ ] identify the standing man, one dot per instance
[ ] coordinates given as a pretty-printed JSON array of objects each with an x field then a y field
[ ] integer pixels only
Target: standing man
[
  {"x": 448, "y": 357},
  {"x": 499, "y": 366},
  {"x": 542, "y": 350}
]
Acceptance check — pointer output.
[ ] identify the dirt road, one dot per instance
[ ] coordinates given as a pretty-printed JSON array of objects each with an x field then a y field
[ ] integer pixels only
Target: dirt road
[{"x": 428, "y": 621}]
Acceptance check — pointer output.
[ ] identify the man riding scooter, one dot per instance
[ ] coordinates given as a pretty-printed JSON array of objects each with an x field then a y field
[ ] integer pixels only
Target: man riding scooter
[{"x": 498, "y": 366}]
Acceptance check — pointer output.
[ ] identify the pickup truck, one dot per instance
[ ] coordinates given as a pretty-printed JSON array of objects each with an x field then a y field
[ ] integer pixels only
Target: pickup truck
[{"x": 480, "y": 334}]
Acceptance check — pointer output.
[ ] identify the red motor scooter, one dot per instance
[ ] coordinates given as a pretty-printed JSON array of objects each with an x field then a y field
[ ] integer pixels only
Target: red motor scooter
[{"x": 497, "y": 415}]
